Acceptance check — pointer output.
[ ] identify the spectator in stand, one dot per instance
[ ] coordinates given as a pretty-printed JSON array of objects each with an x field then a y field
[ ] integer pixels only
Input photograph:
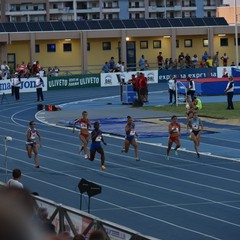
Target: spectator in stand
[
  {"x": 175, "y": 64},
  {"x": 167, "y": 63},
  {"x": 122, "y": 67},
  {"x": 224, "y": 59},
  {"x": 118, "y": 66},
  {"x": 141, "y": 63},
  {"x": 160, "y": 61},
  {"x": 34, "y": 68},
  {"x": 205, "y": 56},
  {"x": 188, "y": 60},
  {"x": 216, "y": 60},
  {"x": 56, "y": 71},
  {"x": 146, "y": 66},
  {"x": 209, "y": 62},
  {"x": 111, "y": 64},
  {"x": 202, "y": 63},
  {"x": 23, "y": 69},
  {"x": 105, "y": 68},
  {"x": 181, "y": 60},
  {"x": 194, "y": 60},
  {"x": 232, "y": 64},
  {"x": 5, "y": 70},
  {"x": 14, "y": 182}
]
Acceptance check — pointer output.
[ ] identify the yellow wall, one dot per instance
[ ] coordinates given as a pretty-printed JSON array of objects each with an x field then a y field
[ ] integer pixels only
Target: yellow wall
[
  {"x": 59, "y": 58},
  {"x": 97, "y": 57},
  {"x": 21, "y": 50}
]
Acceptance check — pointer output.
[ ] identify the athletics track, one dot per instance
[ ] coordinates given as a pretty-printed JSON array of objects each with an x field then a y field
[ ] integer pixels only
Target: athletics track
[{"x": 183, "y": 198}]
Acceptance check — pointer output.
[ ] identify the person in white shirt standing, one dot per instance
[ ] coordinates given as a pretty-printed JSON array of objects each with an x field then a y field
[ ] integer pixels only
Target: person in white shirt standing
[
  {"x": 230, "y": 91},
  {"x": 172, "y": 89},
  {"x": 39, "y": 86},
  {"x": 14, "y": 182},
  {"x": 16, "y": 85}
]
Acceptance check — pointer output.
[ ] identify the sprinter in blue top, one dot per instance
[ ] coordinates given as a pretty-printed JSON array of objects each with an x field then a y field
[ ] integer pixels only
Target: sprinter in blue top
[
  {"x": 196, "y": 126},
  {"x": 130, "y": 137},
  {"x": 97, "y": 138}
]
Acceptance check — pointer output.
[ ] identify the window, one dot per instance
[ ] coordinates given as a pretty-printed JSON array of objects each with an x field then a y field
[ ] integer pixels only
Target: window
[
  {"x": 238, "y": 41},
  {"x": 143, "y": 44},
  {"x": 67, "y": 47},
  {"x": 157, "y": 44},
  {"x": 88, "y": 46},
  {"x": 37, "y": 48},
  {"x": 51, "y": 47},
  {"x": 106, "y": 45},
  {"x": 187, "y": 42},
  {"x": 177, "y": 43},
  {"x": 223, "y": 42},
  {"x": 205, "y": 42}
]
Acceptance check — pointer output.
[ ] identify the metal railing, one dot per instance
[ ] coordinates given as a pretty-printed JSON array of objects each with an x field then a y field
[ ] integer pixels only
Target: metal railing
[{"x": 69, "y": 219}]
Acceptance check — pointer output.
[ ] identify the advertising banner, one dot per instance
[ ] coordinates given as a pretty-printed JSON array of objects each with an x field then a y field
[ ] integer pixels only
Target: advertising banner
[
  {"x": 194, "y": 73},
  {"x": 224, "y": 72},
  {"x": 78, "y": 81},
  {"x": 27, "y": 85},
  {"x": 114, "y": 79}
]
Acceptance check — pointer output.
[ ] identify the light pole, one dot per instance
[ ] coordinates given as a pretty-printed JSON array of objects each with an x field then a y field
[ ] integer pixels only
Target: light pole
[{"x": 236, "y": 32}]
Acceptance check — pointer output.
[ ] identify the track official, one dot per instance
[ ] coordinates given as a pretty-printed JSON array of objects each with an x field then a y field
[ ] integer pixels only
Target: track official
[{"x": 230, "y": 91}]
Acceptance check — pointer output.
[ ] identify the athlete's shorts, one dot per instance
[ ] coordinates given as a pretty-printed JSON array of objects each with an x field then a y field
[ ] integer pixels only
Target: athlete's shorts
[
  {"x": 173, "y": 138},
  {"x": 129, "y": 138},
  {"x": 195, "y": 132},
  {"x": 85, "y": 135},
  {"x": 30, "y": 144},
  {"x": 95, "y": 146}
]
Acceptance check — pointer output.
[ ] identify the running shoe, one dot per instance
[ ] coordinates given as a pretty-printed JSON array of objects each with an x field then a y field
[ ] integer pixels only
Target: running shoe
[
  {"x": 167, "y": 157},
  {"x": 198, "y": 155},
  {"x": 80, "y": 149},
  {"x": 86, "y": 156},
  {"x": 37, "y": 166},
  {"x": 176, "y": 152},
  {"x": 103, "y": 168},
  {"x": 123, "y": 150},
  {"x": 137, "y": 159}
]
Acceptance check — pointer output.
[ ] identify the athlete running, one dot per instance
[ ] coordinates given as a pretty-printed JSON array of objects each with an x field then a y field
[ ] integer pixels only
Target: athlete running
[
  {"x": 97, "y": 138},
  {"x": 85, "y": 125},
  {"x": 195, "y": 124},
  {"x": 31, "y": 144},
  {"x": 130, "y": 138},
  {"x": 174, "y": 130}
]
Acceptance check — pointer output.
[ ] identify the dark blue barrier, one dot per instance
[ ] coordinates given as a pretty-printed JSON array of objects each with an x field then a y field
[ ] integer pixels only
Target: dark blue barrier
[
  {"x": 194, "y": 73},
  {"x": 209, "y": 88},
  {"x": 236, "y": 72}
]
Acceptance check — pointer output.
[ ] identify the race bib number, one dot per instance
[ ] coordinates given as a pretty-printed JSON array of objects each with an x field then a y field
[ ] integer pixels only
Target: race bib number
[
  {"x": 132, "y": 132},
  {"x": 83, "y": 125},
  {"x": 98, "y": 138}
]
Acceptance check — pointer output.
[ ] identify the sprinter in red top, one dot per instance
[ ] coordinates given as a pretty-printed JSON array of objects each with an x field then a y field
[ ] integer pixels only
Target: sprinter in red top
[
  {"x": 174, "y": 130},
  {"x": 85, "y": 124}
]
